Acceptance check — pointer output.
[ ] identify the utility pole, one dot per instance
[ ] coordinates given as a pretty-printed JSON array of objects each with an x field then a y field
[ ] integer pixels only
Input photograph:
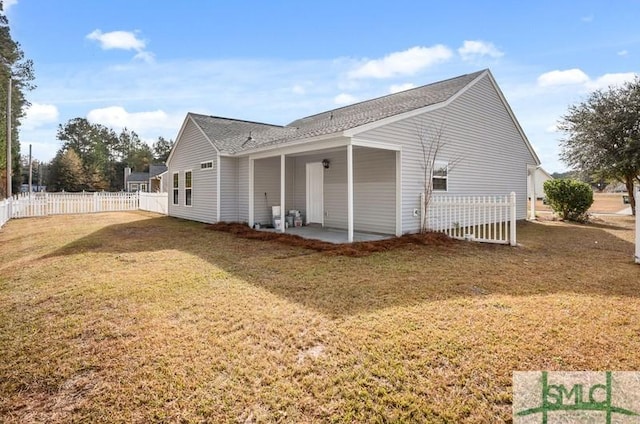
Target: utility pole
[
  {"x": 9, "y": 172},
  {"x": 30, "y": 172}
]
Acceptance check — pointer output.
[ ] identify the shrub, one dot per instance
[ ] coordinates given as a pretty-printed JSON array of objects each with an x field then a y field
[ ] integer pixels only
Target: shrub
[{"x": 569, "y": 198}]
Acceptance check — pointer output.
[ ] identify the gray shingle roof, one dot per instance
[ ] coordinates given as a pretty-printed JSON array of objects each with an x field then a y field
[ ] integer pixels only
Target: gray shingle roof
[
  {"x": 155, "y": 170},
  {"x": 234, "y": 136},
  {"x": 138, "y": 177}
]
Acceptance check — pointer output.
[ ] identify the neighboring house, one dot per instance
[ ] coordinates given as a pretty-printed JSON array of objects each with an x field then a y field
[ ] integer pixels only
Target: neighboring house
[
  {"x": 153, "y": 181},
  {"x": 535, "y": 184},
  {"x": 158, "y": 182},
  {"x": 357, "y": 168}
]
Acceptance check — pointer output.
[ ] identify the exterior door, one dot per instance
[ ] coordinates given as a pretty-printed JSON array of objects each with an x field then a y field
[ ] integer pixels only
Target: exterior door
[{"x": 315, "y": 190}]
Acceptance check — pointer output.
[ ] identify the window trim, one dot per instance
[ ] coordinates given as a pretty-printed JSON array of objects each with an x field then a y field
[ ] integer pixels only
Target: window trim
[
  {"x": 439, "y": 165},
  {"x": 207, "y": 162},
  {"x": 176, "y": 188},
  {"x": 189, "y": 188}
]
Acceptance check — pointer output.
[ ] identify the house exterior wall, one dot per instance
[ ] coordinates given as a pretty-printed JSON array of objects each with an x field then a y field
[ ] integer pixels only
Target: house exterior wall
[
  {"x": 243, "y": 189},
  {"x": 540, "y": 179},
  {"x": 334, "y": 186},
  {"x": 190, "y": 151},
  {"x": 374, "y": 190},
  {"x": 228, "y": 189},
  {"x": 373, "y": 185},
  {"x": 266, "y": 188},
  {"x": 480, "y": 138}
]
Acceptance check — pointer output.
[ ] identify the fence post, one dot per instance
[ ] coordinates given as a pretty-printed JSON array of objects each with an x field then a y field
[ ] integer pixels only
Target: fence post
[
  {"x": 512, "y": 225},
  {"x": 637, "y": 226}
]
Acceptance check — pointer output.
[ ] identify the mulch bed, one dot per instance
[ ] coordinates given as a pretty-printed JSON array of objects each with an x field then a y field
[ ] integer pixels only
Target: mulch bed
[{"x": 362, "y": 248}]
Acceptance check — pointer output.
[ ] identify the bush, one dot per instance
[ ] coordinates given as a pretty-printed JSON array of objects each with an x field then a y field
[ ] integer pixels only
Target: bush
[{"x": 571, "y": 199}]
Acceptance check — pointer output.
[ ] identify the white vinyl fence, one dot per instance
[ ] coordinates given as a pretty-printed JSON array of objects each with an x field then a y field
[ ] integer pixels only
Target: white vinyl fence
[
  {"x": 27, "y": 205},
  {"x": 488, "y": 219},
  {"x": 154, "y": 202},
  {"x": 5, "y": 211}
]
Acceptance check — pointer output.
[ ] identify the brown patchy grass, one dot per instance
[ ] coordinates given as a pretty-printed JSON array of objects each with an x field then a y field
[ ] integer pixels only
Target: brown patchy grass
[{"x": 131, "y": 317}]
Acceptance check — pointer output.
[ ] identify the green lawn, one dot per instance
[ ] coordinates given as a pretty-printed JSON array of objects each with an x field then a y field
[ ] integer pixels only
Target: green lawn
[{"x": 131, "y": 317}]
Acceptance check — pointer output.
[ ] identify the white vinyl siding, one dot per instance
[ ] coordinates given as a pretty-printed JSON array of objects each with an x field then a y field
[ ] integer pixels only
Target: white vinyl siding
[
  {"x": 335, "y": 186},
  {"x": 374, "y": 190},
  {"x": 229, "y": 189},
  {"x": 266, "y": 187},
  {"x": 373, "y": 186},
  {"x": 490, "y": 156},
  {"x": 190, "y": 149},
  {"x": 243, "y": 189}
]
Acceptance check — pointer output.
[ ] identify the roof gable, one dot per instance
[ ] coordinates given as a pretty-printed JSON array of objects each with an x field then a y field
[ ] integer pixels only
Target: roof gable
[{"x": 232, "y": 136}]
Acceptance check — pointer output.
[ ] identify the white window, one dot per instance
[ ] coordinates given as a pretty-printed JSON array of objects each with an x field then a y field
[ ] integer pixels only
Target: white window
[
  {"x": 187, "y": 188},
  {"x": 176, "y": 182},
  {"x": 206, "y": 165},
  {"x": 440, "y": 176},
  {"x": 143, "y": 187}
]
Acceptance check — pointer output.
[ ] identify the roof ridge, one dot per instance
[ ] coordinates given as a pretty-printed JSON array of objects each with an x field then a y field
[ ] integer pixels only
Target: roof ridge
[
  {"x": 388, "y": 95},
  {"x": 236, "y": 120}
]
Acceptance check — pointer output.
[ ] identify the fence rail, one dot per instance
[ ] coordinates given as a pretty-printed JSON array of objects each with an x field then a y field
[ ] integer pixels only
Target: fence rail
[
  {"x": 27, "y": 205},
  {"x": 488, "y": 219}
]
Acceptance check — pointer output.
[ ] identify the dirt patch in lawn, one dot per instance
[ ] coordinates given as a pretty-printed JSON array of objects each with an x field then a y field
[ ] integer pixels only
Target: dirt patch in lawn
[{"x": 344, "y": 249}]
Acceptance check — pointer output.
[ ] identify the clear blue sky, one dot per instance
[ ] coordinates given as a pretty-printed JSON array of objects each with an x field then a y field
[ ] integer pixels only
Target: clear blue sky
[{"x": 144, "y": 64}]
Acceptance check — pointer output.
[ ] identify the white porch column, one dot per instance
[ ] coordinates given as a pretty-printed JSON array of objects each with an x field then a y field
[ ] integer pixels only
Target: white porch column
[
  {"x": 350, "y": 192},
  {"x": 251, "y": 195},
  {"x": 534, "y": 195},
  {"x": 282, "y": 189}
]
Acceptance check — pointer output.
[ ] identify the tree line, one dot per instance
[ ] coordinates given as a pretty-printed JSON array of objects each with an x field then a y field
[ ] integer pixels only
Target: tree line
[
  {"x": 93, "y": 157},
  {"x": 16, "y": 72}
]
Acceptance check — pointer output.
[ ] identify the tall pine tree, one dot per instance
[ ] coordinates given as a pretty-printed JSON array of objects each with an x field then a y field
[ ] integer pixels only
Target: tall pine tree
[{"x": 17, "y": 71}]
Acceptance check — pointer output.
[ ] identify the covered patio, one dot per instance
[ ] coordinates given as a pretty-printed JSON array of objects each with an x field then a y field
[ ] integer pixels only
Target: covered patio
[{"x": 348, "y": 190}]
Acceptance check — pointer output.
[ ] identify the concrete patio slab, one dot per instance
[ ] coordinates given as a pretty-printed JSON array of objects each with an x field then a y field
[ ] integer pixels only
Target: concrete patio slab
[{"x": 330, "y": 235}]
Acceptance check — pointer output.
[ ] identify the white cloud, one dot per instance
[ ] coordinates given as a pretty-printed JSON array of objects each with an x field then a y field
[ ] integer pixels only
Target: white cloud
[
  {"x": 406, "y": 62},
  {"x": 344, "y": 99},
  {"x": 475, "y": 49},
  {"x": 609, "y": 80},
  {"x": 117, "y": 117},
  {"x": 298, "y": 89},
  {"x": 568, "y": 77},
  {"x": 39, "y": 114},
  {"x": 587, "y": 19},
  {"x": 396, "y": 88},
  {"x": 124, "y": 40},
  {"x": 623, "y": 53},
  {"x": 147, "y": 57},
  {"x": 8, "y": 3}
]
